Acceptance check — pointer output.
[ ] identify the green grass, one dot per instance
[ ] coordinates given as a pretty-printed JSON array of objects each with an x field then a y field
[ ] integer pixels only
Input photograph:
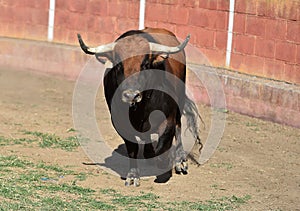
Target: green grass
[
  {"x": 27, "y": 185},
  {"x": 44, "y": 140},
  {"x": 150, "y": 201},
  {"x": 227, "y": 166}
]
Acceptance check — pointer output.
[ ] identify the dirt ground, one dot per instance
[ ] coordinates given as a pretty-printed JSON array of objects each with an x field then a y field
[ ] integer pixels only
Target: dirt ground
[{"x": 255, "y": 157}]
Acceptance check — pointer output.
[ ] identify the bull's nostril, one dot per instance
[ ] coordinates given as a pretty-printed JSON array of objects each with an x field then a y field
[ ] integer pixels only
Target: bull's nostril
[{"x": 131, "y": 96}]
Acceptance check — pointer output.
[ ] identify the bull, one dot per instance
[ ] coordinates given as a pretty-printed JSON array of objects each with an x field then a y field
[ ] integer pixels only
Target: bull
[{"x": 134, "y": 91}]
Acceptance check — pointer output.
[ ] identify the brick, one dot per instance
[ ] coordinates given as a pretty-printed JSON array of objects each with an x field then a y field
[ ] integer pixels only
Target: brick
[
  {"x": 77, "y": 22},
  {"x": 273, "y": 69},
  {"x": 266, "y": 9},
  {"x": 215, "y": 57},
  {"x": 276, "y": 29},
  {"x": 204, "y": 38},
  {"x": 98, "y": 7},
  {"x": 265, "y": 48},
  {"x": 286, "y": 51},
  {"x": 78, "y": 6},
  {"x": 61, "y": 4},
  {"x": 255, "y": 26},
  {"x": 236, "y": 61},
  {"x": 239, "y": 23},
  {"x": 171, "y": 27},
  {"x": 117, "y": 9},
  {"x": 199, "y": 17},
  {"x": 182, "y": 31},
  {"x": 59, "y": 35},
  {"x": 156, "y": 12},
  {"x": 217, "y": 19},
  {"x": 62, "y": 18},
  {"x": 249, "y": 6},
  {"x": 188, "y": 3},
  {"x": 22, "y": 15},
  {"x": 293, "y": 31},
  {"x": 221, "y": 40},
  {"x": 208, "y": 4},
  {"x": 254, "y": 65},
  {"x": 6, "y": 14},
  {"x": 287, "y": 9},
  {"x": 262, "y": 8},
  {"x": 291, "y": 73},
  {"x": 169, "y": 2},
  {"x": 101, "y": 24},
  {"x": 125, "y": 24},
  {"x": 178, "y": 15},
  {"x": 243, "y": 44},
  {"x": 41, "y": 4},
  {"x": 152, "y": 24},
  {"x": 133, "y": 10},
  {"x": 223, "y": 5},
  {"x": 39, "y": 16},
  {"x": 37, "y": 32},
  {"x": 37, "y": 4},
  {"x": 298, "y": 55}
]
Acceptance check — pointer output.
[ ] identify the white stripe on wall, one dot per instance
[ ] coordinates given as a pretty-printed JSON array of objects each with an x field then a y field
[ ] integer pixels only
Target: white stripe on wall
[
  {"x": 51, "y": 20},
  {"x": 230, "y": 32},
  {"x": 142, "y": 14}
]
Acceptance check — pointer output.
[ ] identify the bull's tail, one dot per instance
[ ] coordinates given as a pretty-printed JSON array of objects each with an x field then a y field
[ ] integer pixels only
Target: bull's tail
[{"x": 190, "y": 111}]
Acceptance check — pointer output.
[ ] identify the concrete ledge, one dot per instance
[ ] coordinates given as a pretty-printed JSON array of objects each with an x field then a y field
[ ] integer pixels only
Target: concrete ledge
[
  {"x": 45, "y": 57},
  {"x": 257, "y": 97}
]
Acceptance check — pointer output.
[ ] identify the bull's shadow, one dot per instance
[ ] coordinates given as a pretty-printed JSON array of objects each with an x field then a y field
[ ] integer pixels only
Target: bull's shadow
[{"x": 119, "y": 161}]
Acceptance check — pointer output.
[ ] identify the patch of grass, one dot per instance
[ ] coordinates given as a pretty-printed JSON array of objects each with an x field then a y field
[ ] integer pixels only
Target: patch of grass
[
  {"x": 24, "y": 188},
  {"x": 55, "y": 168},
  {"x": 47, "y": 140},
  {"x": 44, "y": 140},
  {"x": 15, "y": 141},
  {"x": 150, "y": 201},
  {"x": 13, "y": 161},
  {"x": 227, "y": 166},
  {"x": 81, "y": 176}
]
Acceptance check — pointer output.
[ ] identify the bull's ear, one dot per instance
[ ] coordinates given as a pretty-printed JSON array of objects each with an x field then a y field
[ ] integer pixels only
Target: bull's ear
[
  {"x": 103, "y": 57},
  {"x": 104, "y": 60},
  {"x": 158, "y": 61},
  {"x": 164, "y": 55}
]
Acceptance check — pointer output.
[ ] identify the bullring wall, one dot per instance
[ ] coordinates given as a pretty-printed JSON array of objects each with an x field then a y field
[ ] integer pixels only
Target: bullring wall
[{"x": 265, "y": 43}]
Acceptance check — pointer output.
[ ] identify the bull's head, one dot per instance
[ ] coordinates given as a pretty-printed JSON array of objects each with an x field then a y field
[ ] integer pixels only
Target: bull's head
[{"x": 130, "y": 54}]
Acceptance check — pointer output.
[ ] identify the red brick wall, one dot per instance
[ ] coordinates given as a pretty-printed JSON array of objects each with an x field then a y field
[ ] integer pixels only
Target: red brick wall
[
  {"x": 98, "y": 21},
  {"x": 266, "y": 39},
  {"x": 266, "y": 34},
  {"x": 24, "y": 19}
]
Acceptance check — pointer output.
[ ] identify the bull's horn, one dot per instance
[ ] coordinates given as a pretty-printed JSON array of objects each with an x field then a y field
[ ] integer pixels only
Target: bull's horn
[
  {"x": 96, "y": 50},
  {"x": 155, "y": 47}
]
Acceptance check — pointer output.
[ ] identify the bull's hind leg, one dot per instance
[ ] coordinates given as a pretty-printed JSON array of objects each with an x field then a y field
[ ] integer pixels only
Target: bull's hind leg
[
  {"x": 181, "y": 165},
  {"x": 133, "y": 176}
]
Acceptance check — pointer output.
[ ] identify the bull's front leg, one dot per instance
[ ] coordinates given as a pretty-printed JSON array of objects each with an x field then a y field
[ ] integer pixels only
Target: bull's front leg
[
  {"x": 162, "y": 153},
  {"x": 133, "y": 176}
]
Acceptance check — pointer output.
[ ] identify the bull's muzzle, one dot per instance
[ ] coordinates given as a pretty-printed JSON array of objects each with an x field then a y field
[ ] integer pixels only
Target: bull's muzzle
[{"x": 131, "y": 96}]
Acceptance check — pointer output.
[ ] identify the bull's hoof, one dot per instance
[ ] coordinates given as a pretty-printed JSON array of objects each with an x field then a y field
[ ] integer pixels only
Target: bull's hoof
[
  {"x": 181, "y": 167},
  {"x": 163, "y": 178},
  {"x": 133, "y": 178},
  {"x": 132, "y": 181}
]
